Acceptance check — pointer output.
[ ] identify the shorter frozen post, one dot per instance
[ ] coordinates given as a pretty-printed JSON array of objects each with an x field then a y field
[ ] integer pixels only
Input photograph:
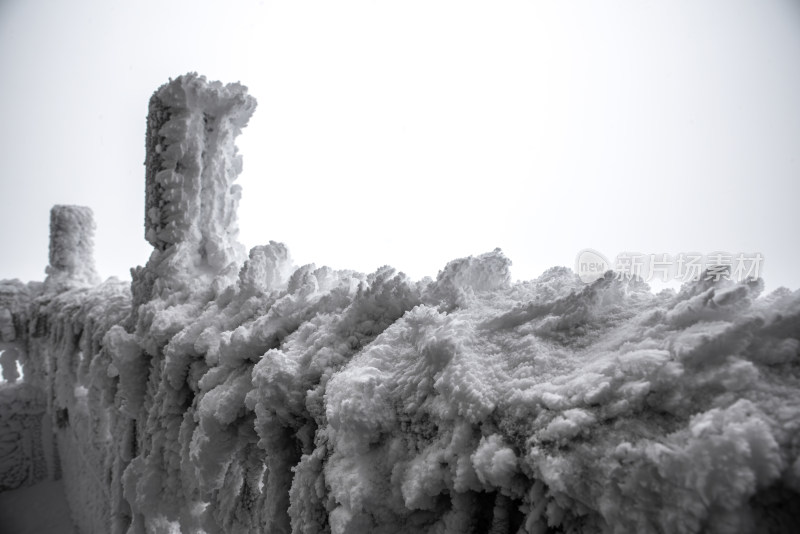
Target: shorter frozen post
[{"x": 71, "y": 248}]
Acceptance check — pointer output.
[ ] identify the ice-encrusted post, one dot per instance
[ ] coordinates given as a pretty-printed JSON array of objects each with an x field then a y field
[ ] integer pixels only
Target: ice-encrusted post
[
  {"x": 191, "y": 165},
  {"x": 71, "y": 248}
]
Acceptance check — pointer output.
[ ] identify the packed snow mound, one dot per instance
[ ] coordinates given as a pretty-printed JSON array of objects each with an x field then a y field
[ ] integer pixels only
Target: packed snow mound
[{"x": 225, "y": 393}]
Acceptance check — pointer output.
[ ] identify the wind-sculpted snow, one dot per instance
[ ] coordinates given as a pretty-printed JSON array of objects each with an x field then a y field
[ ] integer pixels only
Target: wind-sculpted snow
[{"x": 230, "y": 394}]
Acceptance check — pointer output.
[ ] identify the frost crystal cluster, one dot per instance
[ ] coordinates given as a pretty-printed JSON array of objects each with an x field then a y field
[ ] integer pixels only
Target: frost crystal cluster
[{"x": 222, "y": 392}]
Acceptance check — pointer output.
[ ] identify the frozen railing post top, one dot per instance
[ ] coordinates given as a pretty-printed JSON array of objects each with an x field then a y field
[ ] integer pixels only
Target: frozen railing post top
[
  {"x": 71, "y": 248},
  {"x": 191, "y": 164}
]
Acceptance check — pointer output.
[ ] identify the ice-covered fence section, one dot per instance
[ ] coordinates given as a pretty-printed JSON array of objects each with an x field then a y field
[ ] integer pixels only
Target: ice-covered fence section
[
  {"x": 27, "y": 443},
  {"x": 55, "y": 421},
  {"x": 228, "y": 394},
  {"x": 22, "y": 455},
  {"x": 23, "y": 426}
]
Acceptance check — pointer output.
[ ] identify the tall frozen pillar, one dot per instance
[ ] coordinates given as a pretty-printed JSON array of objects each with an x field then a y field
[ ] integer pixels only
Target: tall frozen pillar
[
  {"x": 71, "y": 248},
  {"x": 191, "y": 163}
]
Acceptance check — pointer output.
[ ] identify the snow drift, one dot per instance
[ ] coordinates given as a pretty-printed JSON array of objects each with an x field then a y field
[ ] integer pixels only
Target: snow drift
[{"x": 225, "y": 392}]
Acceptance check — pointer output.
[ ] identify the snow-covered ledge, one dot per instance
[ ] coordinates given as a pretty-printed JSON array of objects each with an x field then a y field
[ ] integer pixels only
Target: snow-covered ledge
[{"x": 225, "y": 393}]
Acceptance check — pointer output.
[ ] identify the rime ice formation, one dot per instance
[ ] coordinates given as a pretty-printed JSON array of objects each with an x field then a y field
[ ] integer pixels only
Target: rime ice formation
[
  {"x": 225, "y": 394},
  {"x": 191, "y": 165},
  {"x": 71, "y": 248},
  {"x": 190, "y": 200}
]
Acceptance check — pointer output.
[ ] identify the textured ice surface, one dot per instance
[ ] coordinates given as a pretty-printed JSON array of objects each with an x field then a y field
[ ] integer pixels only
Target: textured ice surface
[{"x": 225, "y": 393}]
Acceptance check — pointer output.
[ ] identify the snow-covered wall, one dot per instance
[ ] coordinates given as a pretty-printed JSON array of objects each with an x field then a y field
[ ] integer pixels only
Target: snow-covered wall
[{"x": 230, "y": 393}]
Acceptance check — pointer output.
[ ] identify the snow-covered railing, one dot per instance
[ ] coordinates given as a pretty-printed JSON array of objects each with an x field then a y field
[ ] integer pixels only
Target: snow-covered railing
[
  {"x": 22, "y": 456},
  {"x": 228, "y": 393}
]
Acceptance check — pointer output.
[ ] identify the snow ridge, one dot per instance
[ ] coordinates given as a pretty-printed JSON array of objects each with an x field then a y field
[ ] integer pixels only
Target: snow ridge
[{"x": 230, "y": 393}]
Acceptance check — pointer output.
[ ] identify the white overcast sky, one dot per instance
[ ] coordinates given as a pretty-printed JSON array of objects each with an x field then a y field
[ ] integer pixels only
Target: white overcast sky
[{"x": 411, "y": 133}]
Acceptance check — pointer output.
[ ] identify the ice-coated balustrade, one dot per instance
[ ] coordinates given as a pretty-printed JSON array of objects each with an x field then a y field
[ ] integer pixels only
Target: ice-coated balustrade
[{"x": 222, "y": 392}]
